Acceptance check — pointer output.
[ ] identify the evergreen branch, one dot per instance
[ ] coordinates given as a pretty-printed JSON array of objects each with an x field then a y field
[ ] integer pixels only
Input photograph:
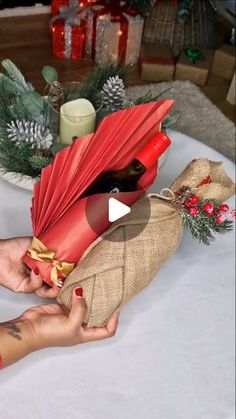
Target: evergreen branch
[
  {"x": 10, "y": 85},
  {"x": 90, "y": 88},
  {"x": 14, "y": 74},
  {"x": 204, "y": 226}
]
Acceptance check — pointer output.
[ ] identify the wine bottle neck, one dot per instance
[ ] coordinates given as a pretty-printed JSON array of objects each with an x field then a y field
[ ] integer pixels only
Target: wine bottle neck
[{"x": 153, "y": 150}]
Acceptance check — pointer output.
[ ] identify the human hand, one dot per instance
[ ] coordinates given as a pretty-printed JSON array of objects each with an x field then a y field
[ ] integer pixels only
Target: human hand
[
  {"x": 50, "y": 325},
  {"x": 54, "y": 325},
  {"x": 14, "y": 275}
]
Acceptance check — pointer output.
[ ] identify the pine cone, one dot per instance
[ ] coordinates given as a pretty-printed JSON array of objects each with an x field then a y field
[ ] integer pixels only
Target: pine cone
[
  {"x": 56, "y": 95},
  {"x": 113, "y": 94},
  {"x": 33, "y": 133}
]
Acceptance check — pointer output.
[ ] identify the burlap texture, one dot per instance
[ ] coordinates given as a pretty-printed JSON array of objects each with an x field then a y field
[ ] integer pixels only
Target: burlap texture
[{"x": 111, "y": 272}]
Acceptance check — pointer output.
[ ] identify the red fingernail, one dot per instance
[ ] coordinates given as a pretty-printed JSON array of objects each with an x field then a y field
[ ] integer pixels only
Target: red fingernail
[
  {"x": 79, "y": 292},
  {"x": 36, "y": 271}
]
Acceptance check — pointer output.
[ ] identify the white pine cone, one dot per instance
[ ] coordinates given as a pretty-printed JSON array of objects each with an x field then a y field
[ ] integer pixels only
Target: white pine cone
[
  {"x": 113, "y": 94},
  {"x": 31, "y": 132}
]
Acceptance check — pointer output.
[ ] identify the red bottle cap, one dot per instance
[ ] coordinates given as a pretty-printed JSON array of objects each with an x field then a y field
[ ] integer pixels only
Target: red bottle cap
[{"x": 154, "y": 149}]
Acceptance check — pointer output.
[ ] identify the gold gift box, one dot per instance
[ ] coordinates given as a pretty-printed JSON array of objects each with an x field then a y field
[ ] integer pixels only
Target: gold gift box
[
  {"x": 195, "y": 72},
  {"x": 157, "y": 62},
  {"x": 224, "y": 61}
]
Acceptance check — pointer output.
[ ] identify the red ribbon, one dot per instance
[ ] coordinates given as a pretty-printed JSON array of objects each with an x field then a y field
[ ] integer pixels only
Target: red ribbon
[
  {"x": 157, "y": 60},
  {"x": 118, "y": 15}
]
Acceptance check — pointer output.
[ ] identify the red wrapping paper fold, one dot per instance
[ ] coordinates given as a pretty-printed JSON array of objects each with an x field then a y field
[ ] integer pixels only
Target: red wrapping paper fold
[{"x": 58, "y": 214}]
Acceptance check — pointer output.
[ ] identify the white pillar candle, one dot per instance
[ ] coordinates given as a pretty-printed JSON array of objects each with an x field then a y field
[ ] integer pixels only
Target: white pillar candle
[{"x": 77, "y": 118}]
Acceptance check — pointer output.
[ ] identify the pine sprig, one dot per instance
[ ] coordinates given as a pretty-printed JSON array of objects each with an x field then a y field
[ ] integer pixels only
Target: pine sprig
[
  {"x": 90, "y": 88},
  {"x": 14, "y": 78},
  {"x": 204, "y": 226}
]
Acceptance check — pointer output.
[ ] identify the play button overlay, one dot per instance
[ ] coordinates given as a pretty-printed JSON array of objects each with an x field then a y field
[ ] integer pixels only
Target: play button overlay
[
  {"x": 117, "y": 210},
  {"x": 104, "y": 211}
]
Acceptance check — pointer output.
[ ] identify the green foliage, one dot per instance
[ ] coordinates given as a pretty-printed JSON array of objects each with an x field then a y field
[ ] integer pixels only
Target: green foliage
[
  {"x": 90, "y": 88},
  {"x": 33, "y": 105},
  {"x": 14, "y": 80},
  {"x": 203, "y": 227},
  {"x": 38, "y": 162},
  {"x": 184, "y": 10},
  {"x": 49, "y": 74},
  {"x": 143, "y": 6},
  {"x": 58, "y": 147}
]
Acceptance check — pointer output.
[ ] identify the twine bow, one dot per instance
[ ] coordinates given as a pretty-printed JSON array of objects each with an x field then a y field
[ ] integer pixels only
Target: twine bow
[
  {"x": 193, "y": 55},
  {"x": 38, "y": 251}
]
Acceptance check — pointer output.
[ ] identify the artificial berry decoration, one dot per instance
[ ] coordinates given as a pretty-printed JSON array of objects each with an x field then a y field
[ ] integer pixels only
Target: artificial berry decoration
[
  {"x": 223, "y": 208},
  {"x": 195, "y": 200},
  {"x": 233, "y": 213},
  {"x": 209, "y": 208},
  {"x": 220, "y": 218},
  {"x": 205, "y": 181},
  {"x": 188, "y": 203},
  {"x": 193, "y": 211}
]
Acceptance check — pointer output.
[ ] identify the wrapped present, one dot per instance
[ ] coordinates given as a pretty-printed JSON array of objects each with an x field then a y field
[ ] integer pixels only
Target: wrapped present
[
  {"x": 56, "y": 4},
  {"x": 194, "y": 65},
  {"x": 109, "y": 282},
  {"x": 118, "y": 35},
  {"x": 94, "y": 12},
  {"x": 68, "y": 30},
  {"x": 157, "y": 62},
  {"x": 224, "y": 61},
  {"x": 61, "y": 227}
]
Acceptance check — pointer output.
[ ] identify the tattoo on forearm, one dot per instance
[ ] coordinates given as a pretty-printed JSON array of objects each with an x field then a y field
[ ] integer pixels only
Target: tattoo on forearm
[{"x": 13, "y": 330}]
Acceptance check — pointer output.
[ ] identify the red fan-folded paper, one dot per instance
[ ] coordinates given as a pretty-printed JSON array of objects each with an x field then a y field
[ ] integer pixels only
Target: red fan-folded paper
[{"x": 60, "y": 227}]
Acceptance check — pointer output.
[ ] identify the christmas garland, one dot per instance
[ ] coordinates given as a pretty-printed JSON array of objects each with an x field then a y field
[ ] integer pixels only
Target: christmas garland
[{"x": 26, "y": 141}]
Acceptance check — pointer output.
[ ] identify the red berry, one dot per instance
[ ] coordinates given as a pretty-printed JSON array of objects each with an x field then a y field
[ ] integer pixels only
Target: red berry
[
  {"x": 205, "y": 181},
  {"x": 220, "y": 218},
  {"x": 233, "y": 213},
  {"x": 223, "y": 208},
  {"x": 195, "y": 200},
  {"x": 188, "y": 203},
  {"x": 193, "y": 211},
  {"x": 209, "y": 208}
]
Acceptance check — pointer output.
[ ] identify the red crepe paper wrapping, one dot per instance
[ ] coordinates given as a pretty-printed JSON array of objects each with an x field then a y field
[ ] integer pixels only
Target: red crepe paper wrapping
[
  {"x": 118, "y": 36},
  {"x": 58, "y": 214}
]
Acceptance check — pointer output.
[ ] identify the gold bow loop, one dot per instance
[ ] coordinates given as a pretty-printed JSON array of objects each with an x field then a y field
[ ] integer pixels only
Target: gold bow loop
[{"x": 38, "y": 251}]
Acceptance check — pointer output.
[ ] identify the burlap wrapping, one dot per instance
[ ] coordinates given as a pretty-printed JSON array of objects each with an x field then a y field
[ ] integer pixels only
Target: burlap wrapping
[{"x": 111, "y": 272}]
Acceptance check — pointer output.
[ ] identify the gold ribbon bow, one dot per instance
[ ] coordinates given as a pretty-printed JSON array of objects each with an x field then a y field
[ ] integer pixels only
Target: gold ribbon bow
[{"x": 38, "y": 251}]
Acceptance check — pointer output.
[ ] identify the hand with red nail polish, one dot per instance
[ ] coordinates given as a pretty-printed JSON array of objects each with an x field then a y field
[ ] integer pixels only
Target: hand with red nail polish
[
  {"x": 50, "y": 325},
  {"x": 54, "y": 325},
  {"x": 14, "y": 275}
]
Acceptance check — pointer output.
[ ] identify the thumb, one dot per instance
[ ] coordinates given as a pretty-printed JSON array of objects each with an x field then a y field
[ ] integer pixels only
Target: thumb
[
  {"x": 32, "y": 282},
  {"x": 78, "y": 308}
]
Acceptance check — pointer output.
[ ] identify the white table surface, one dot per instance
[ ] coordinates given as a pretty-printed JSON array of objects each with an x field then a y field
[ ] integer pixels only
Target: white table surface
[{"x": 173, "y": 354}]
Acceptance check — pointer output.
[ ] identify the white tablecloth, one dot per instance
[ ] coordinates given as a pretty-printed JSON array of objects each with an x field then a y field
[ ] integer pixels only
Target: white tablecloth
[{"x": 173, "y": 354}]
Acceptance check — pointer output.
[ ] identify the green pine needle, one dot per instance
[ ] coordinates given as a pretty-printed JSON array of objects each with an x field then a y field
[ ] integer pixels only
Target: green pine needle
[
  {"x": 91, "y": 87},
  {"x": 14, "y": 75},
  {"x": 204, "y": 227}
]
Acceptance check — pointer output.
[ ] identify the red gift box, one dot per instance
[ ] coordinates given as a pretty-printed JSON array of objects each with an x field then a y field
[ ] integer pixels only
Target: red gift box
[
  {"x": 68, "y": 30},
  {"x": 56, "y": 4},
  {"x": 118, "y": 35},
  {"x": 94, "y": 12}
]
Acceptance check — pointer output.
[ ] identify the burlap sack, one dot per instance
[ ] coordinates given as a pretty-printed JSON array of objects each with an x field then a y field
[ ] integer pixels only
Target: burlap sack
[{"x": 112, "y": 271}]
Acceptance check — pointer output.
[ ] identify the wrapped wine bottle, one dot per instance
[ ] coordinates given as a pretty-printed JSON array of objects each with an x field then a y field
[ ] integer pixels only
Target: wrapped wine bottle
[{"x": 126, "y": 180}]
